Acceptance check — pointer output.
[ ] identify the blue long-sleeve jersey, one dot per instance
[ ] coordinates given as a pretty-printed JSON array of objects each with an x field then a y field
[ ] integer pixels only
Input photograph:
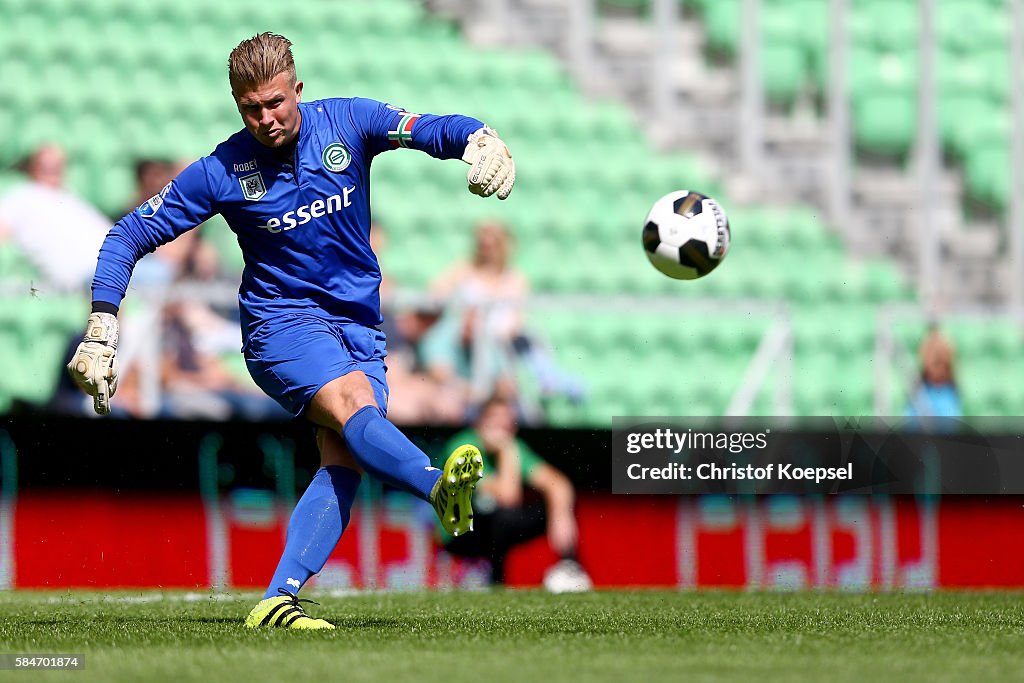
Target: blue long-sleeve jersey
[{"x": 303, "y": 223}]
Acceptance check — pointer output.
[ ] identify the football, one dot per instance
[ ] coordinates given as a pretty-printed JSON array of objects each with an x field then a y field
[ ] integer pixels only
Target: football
[{"x": 686, "y": 235}]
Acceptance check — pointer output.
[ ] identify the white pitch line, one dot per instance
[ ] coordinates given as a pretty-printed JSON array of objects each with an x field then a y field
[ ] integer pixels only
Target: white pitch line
[{"x": 191, "y": 596}]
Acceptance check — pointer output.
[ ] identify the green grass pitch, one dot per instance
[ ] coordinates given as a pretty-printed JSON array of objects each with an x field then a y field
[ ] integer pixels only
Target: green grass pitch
[{"x": 527, "y": 636}]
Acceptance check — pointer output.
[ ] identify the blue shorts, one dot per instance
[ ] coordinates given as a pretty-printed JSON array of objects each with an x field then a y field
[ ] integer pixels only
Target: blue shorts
[{"x": 292, "y": 356}]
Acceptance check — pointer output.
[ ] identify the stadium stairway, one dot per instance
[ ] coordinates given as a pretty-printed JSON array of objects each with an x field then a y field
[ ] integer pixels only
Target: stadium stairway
[{"x": 794, "y": 67}]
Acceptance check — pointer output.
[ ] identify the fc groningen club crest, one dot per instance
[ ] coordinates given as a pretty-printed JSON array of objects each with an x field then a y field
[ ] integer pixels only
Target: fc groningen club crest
[
  {"x": 252, "y": 186},
  {"x": 336, "y": 158}
]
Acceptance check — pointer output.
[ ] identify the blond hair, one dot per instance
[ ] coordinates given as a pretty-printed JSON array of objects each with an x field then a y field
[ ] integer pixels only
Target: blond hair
[{"x": 259, "y": 60}]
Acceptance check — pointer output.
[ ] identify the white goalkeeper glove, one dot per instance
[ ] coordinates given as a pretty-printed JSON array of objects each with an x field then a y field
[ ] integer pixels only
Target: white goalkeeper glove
[
  {"x": 491, "y": 169},
  {"x": 94, "y": 365}
]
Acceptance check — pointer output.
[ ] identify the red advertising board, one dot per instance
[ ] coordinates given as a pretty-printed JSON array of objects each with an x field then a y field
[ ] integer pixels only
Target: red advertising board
[{"x": 107, "y": 540}]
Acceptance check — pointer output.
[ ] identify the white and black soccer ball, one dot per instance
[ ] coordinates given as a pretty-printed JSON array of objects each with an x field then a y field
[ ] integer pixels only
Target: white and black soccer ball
[{"x": 686, "y": 235}]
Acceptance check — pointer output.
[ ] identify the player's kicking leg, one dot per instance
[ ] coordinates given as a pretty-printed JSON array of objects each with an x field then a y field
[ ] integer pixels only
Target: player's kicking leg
[
  {"x": 293, "y": 359},
  {"x": 350, "y": 405},
  {"x": 451, "y": 497}
]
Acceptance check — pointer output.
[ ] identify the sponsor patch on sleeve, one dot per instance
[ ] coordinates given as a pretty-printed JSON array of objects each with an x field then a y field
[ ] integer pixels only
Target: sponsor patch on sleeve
[{"x": 149, "y": 207}]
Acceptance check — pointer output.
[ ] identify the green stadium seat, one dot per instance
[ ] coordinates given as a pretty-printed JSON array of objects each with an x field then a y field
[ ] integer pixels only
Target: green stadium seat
[
  {"x": 996, "y": 64},
  {"x": 884, "y": 24},
  {"x": 33, "y": 347},
  {"x": 885, "y": 123},
  {"x": 874, "y": 72},
  {"x": 21, "y": 45},
  {"x": 737, "y": 336},
  {"x": 39, "y": 378},
  {"x": 958, "y": 74},
  {"x": 610, "y": 123},
  {"x": 540, "y": 70},
  {"x": 812, "y": 25},
  {"x": 58, "y": 314},
  {"x": 998, "y": 342},
  {"x": 848, "y": 283},
  {"x": 779, "y": 22},
  {"x": 970, "y": 26},
  {"x": 783, "y": 71},
  {"x": 992, "y": 129},
  {"x": 722, "y": 25},
  {"x": 854, "y": 387},
  {"x": 15, "y": 267},
  {"x": 781, "y": 229},
  {"x": 966, "y": 120},
  {"x": 987, "y": 175},
  {"x": 755, "y": 280},
  {"x": 111, "y": 188},
  {"x": 885, "y": 282},
  {"x": 823, "y": 331},
  {"x": 813, "y": 391},
  {"x": 989, "y": 387}
]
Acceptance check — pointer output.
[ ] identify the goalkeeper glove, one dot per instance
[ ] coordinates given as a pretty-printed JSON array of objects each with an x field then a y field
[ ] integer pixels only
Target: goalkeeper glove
[
  {"x": 491, "y": 169},
  {"x": 94, "y": 365}
]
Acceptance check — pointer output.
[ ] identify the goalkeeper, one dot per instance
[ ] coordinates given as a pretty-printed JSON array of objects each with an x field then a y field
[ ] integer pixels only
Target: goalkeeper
[{"x": 294, "y": 187}]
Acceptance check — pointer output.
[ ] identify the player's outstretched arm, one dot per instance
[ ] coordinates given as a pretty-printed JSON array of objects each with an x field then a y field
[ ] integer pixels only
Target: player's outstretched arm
[
  {"x": 491, "y": 168},
  {"x": 94, "y": 365},
  {"x": 181, "y": 205},
  {"x": 449, "y": 136}
]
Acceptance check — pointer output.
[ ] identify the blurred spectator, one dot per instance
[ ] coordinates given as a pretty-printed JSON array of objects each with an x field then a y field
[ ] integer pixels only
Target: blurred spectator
[
  {"x": 151, "y": 175},
  {"x": 476, "y": 345},
  {"x": 196, "y": 383},
  {"x": 484, "y": 313},
  {"x": 57, "y": 231},
  {"x": 189, "y": 251},
  {"x": 415, "y": 397},
  {"x": 488, "y": 278},
  {"x": 506, "y": 511},
  {"x": 936, "y": 393},
  {"x": 195, "y": 379}
]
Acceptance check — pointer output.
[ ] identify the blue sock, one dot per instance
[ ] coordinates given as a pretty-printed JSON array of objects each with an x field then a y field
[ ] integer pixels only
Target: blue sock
[
  {"x": 385, "y": 453},
  {"x": 316, "y": 525}
]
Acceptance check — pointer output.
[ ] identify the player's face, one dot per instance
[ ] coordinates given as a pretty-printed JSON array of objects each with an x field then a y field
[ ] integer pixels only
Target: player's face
[{"x": 271, "y": 110}]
